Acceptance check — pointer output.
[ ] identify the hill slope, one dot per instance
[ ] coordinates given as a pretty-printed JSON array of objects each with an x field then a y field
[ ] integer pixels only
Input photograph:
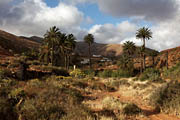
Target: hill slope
[
  {"x": 11, "y": 44},
  {"x": 108, "y": 50},
  {"x": 173, "y": 56}
]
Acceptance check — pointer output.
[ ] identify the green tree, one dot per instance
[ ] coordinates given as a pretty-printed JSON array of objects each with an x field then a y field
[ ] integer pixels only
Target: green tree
[
  {"x": 126, "y": 61},
  {"x": 153, "y": 54},
  {"x": 144, "y": 34},
  {"x": 70, "y": 45},
  {"x": 140, "y": 51},
  {"x": 50, "y": 39},
  {"x": 129, "y": 48},
  {"x": 89, "y": 39},
  {"x": 44, "y": 54}
]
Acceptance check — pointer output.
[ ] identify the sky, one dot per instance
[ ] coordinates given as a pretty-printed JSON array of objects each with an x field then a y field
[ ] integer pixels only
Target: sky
[{"x": 110, "y": 21}]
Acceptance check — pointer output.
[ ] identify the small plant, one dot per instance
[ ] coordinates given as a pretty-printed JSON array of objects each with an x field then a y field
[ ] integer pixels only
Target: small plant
[
  {"x": 89, "y": 73},
  {"x": 116, "y": 73},
  {"x": 112, "y": 103},
  {"x": 172, "y": 73},
  {"x": 167, "y": 97},
  {"x": 105, "y": 73},
  {"x": 77, "y": 73},
  {"x": 131, "y": 109},
  {"x": 150, "y": 74}
]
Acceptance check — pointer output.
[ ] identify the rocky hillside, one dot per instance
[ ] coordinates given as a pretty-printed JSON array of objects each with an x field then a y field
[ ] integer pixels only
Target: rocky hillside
[
  {"x": 170, "y": 55},
  {"x": 11, "y": 44},
  {"x": 33, "y": 38}
]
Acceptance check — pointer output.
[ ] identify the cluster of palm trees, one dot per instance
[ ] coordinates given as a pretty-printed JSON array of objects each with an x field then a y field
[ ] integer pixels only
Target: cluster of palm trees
[
  {"x": 129, "y": 47},
  {"x": 57, "y": 47}
]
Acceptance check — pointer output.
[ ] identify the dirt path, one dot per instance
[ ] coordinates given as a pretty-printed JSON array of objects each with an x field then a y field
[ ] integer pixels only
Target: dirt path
[{"x": 149, "y": 112}]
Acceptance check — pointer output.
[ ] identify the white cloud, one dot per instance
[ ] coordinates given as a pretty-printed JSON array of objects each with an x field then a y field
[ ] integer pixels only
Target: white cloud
[
  {"x": 34, "y": 17},
  {"x": 109, "y": 33},
  {"x": 156, "y": 10}
]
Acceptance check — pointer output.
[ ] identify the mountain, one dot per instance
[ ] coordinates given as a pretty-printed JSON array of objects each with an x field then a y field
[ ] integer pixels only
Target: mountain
[
  {"x": 108, "y": 50},
  {"x": 33, "y": 38},
  {"x": 11, "y": 44}
]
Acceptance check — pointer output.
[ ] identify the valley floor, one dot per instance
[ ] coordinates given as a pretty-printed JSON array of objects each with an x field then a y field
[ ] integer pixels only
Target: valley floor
[{"x": 131, "y": 92}]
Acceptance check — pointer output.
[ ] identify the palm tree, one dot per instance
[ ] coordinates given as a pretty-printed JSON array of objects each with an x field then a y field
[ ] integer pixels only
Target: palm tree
[
  {"x": 51, "y": 37},
  {"x": 153, "y": 54},
  {"x": 140, "y": 52},
  {"x": 44, "y": 54},
  {"x": 129, "y": 48},
  {"x": 89, "y": 39},
  {"x": 144, "y": 34},
  {"x": 70, "y": 45}
]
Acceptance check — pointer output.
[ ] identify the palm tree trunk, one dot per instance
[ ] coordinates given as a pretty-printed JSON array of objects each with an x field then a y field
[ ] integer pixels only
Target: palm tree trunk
[
  {"x": 144, "y": 56},
  {"x": 153, "y": 60},
  {"x": 52, "y": 57},
  {"x": 65, "y": 61},
  {"x": 68, "y": 62},
  {"x": 90, "y": 56}
]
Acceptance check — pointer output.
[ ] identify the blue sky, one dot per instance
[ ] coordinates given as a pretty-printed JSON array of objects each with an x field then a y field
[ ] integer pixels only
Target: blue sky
[{"x": 110, "y": 21}]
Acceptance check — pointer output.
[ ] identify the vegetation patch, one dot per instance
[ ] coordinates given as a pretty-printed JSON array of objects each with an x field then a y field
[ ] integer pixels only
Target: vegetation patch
[
  {"x": 151, "y": 74},
  {"x": 112, "y": 103},
  {"x": 172, "y": 73},
  {"x": 116, "y": 74},
  {"x": 167, "y": 98}
]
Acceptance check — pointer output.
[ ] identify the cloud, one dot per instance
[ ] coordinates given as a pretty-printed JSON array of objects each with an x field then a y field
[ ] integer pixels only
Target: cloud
[
  {"x": 34, "y": 17},
  {"x": 75, "y": 2},
  {"x": 109, "y": 33},
  {"x": 153, "y": 10}
]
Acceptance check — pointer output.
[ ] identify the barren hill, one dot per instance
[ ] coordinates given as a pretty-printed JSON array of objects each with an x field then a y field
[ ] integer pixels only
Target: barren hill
[
  {"x": 33, "y": 38},
  {"x": 10, "y": 44},
  {"x": 109, "y": 50}
]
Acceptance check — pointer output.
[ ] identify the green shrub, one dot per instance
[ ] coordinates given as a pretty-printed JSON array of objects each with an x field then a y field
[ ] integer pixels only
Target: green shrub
[
  {"x": 116, "y": 73},
  {"x": 4, "y": 73},
  {"x": 172, "y": 73},
  {"x": 121, "y": 73},
  {"x": 105, "y": 73},
  {"x": 167, "y": 97},
  {"x": 89, "y": 73},
  {"x": 131, "y": 109},
  {"x": 117, "y": 83},
  {"x": 53, "y": 101},
  {"x": 111, "y": 103},
  {"x": 151, "y": 74},
  {"x": 77, "y": 73}
]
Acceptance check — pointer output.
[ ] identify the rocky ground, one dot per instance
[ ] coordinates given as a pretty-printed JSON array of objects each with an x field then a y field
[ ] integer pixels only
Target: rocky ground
[{"x": 130, "y": 91}]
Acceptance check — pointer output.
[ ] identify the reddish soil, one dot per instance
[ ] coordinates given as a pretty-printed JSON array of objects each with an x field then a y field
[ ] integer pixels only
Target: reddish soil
[{"x": 149, "y": 112}]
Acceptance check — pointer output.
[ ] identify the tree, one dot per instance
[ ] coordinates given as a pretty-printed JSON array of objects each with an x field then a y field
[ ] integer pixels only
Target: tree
[
  {"x": 153, "y": 54},
  {"x": 44, "y": 54},
  {"x": 144, "y": 34},
  {"x": 126, "y": 61},
  {"x": 50, "y": 39},
  {"x": 89, "y": 39},
  {"x": 129, "y": 48},
  {"x": 140, "y": 52},
  {"x": 70, "y": 45}
]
